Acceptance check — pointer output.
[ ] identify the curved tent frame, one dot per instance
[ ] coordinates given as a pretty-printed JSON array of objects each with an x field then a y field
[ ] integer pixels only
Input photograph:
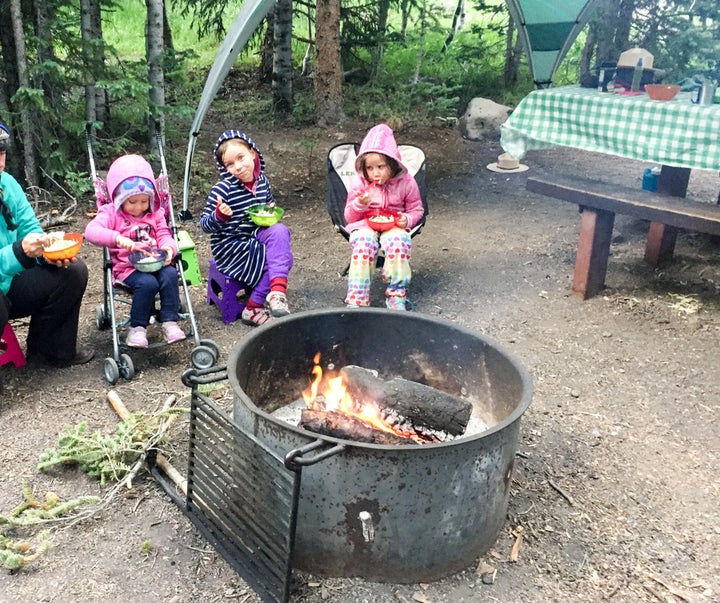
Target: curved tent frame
[{"x": 547, "y": 28}]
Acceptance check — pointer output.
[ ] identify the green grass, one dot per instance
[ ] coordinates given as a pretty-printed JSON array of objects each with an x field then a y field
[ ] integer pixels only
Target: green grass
[{"x": 124, "y": 30}]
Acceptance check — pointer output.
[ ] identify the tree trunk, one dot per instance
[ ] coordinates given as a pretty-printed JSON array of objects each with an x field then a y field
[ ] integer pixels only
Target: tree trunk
[
  {"x": 457, "y": 24},
  {"x": 421, "y": 42},
  {"x": 282, "y": 78},
  {"x": 156, "y": 74},
  {"x": 327, "y": 90},
  {"x": 266, "y": 55},
  {"x": 168, "y": 44},
  {"x": 31, "y": 171},
  {"x": 377, "y": 52},
  {"x": 86, "y": 32},
  {"x": 510, "y": 70}
]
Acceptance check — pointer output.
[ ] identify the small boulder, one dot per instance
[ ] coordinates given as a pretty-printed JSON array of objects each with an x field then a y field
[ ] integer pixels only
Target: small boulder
[{"x": 483, "y": 118}]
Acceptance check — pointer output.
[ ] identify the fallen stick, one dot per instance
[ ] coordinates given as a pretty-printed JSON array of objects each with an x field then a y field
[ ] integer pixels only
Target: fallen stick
[
  {"x": 123, "y": 412},
  {"x": 561, "y": 492}
]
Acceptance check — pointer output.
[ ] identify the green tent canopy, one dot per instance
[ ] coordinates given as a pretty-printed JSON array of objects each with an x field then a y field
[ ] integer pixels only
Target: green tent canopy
[{"x": 547, "y": 29}]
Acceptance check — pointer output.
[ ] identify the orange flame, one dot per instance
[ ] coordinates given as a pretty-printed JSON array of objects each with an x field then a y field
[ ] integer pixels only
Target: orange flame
[{"x": 328, "y": 392}]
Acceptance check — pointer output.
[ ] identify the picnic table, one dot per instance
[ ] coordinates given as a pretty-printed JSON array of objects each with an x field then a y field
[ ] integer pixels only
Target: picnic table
[{"x": 678, "y": 134}]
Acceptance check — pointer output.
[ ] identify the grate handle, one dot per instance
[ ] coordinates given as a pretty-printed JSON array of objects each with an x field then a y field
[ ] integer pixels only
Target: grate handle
[
  {"x": 294, "y": 459},
  {"x": 192, "y": 377}
]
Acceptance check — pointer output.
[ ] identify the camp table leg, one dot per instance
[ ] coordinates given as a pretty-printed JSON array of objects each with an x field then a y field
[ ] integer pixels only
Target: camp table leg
[{"x": 660, "y": 245}]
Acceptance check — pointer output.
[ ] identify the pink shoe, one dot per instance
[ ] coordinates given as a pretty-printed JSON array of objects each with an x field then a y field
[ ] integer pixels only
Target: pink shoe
[
  {"x": 172, "y": 332},
  {"x": 137, "y": 337},
  {"x": 276, "y": 302}
]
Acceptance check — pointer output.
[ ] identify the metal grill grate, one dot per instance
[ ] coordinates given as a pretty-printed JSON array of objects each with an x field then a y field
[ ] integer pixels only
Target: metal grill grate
[{"x": 242, "y": 498}]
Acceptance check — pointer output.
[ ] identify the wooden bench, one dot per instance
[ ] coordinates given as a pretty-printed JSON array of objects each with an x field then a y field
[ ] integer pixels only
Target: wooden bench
[{"x": 600, "y": 201}]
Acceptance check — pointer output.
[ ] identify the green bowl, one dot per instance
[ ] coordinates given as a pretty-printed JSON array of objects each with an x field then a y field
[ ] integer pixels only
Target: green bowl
[{"x": 263, "y": 215}]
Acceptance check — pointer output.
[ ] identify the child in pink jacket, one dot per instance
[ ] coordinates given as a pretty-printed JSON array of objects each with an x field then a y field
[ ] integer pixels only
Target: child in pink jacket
[
  {"x": 381, "y": 183},
  {"x": 133, "y": 219}
]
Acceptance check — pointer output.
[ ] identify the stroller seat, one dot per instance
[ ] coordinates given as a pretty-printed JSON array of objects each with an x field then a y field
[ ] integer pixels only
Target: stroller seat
[{"x": 340, "y": 171}]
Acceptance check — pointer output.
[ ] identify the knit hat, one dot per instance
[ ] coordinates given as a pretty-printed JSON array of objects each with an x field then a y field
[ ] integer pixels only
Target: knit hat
[
  {"x": 4, "y": 137},
  {"x": 127, "y": 172},
  {"x": 135, "y": 185}
]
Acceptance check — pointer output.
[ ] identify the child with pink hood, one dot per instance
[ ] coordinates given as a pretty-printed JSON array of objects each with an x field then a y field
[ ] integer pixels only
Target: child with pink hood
[
  {"x": 381, "y": 183},
  {"x": 133, "y": 219}
]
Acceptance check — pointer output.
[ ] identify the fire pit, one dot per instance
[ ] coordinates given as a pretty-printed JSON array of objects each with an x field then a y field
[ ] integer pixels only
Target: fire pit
[{"x": 389, "y": 513}]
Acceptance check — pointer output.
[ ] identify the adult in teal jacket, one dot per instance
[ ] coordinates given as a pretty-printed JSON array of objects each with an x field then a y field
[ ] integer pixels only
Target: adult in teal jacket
[{"x": 50, "y": 293}]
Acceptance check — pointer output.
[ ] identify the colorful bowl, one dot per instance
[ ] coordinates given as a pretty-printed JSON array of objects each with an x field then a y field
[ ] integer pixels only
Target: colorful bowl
[
  {"x": 64, "y": 247},
  {"x": 263, "y": 215},
  {"x": 150, "y": 260},
  {"x": 662, "y": 92},
  {"x": 381, "y": 220}
]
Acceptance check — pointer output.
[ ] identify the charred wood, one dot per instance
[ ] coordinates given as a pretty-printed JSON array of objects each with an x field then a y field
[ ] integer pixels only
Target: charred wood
[
  {"x": 404, "y": 402},
  {"x": 339, "y": 425}
]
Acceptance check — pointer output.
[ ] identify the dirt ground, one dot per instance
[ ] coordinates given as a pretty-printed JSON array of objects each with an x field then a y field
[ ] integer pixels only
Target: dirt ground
[{"x": 616, "y": 483}]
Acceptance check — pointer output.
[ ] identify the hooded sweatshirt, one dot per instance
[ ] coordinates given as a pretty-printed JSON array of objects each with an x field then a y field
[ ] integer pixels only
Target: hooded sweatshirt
[
  {"x": 129, "y": 174},
  {"x": 233, "y": 242},
  {"x": 399, "y": 194}
]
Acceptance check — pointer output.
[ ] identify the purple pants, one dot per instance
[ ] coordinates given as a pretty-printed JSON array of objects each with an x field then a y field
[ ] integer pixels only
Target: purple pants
[{"x": 278, "y": 259}]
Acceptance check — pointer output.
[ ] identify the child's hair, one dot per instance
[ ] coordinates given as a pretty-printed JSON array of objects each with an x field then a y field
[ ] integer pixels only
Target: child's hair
[
  {"x": 222, "y": 147},
  {"x": 394, "y": 165}
]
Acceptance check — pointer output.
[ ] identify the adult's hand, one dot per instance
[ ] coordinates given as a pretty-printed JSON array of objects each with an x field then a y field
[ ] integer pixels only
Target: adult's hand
[{"x": 34, "y": 243}]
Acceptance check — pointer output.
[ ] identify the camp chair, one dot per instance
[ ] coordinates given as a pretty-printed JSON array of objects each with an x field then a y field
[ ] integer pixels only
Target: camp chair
[{"x": 341, "y": 169}]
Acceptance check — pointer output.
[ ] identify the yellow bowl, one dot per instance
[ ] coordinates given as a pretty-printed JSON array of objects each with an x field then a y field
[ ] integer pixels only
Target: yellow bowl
[{"x": 64, "y": 249}]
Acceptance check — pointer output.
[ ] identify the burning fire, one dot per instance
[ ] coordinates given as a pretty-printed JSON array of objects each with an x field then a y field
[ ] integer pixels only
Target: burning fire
[{"x": 328, "y": 392}]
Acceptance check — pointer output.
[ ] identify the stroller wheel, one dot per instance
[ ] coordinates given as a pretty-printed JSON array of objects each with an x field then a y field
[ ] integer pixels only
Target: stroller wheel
[
  {"x": 127, "y": 368},
  {"x": 203, "y": 357},
  {"x": 209, "y": 343},
  {"x": 102, "y": 320},
  {"x": 112, "y": 373}
]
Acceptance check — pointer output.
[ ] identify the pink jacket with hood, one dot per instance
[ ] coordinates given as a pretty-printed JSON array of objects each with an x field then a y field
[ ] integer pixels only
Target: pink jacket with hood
[
  {"x": 150, "y": 229},
  {"x": 400, "y": 193}
]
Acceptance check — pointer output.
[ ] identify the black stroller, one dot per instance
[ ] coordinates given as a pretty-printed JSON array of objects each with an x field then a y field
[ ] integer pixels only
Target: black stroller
[
  {"x": 205, "y": 353},
  {"x": 341, "y": 169}
]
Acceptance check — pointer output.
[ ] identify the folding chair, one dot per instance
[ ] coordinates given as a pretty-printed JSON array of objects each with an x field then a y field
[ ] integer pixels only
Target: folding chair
[{"x": 341, "y": 169}]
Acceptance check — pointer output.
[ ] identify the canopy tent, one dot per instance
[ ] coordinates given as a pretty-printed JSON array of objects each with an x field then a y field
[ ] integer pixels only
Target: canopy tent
[{"x": 547, "y": 28}]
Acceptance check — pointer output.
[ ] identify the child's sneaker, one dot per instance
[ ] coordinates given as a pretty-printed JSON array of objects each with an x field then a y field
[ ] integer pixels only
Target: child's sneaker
[
  {"x": 137, "y": 338},
  {"x": 172, "y": 332},
  {"x": 276, "y": 302},
  {"x": 395, "y": 302},
  {"x": 255, "y": 316}
]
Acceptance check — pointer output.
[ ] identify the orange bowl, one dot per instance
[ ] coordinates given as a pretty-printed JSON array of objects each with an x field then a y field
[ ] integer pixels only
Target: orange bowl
[
  {"x": 64, "y": 249},
  {"x": 662, "y": 92}
]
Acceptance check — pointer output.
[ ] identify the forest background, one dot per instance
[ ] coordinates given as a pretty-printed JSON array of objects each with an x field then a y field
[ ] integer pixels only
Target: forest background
[{"x": 127, "y": 65}]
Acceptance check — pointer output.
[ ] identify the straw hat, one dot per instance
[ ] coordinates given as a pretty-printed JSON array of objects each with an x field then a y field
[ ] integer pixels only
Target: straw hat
[
  {"x": 630, "y": 57},
  {"x": 507, "y": 164}
]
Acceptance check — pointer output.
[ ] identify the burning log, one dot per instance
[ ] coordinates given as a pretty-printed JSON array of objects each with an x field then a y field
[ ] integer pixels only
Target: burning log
[
  {"x": 340, "y": 425},
  {"x": 407, "y": 402}
]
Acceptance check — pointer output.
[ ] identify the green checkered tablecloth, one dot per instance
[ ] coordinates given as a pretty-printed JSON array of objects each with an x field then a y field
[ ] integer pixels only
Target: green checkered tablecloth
[{"x": 678, "y": 133}]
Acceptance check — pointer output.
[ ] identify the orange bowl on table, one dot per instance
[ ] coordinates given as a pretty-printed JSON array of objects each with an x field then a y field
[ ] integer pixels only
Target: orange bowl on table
[
  {"x": 64, "y": 247},
  {"x": 662, "y": 92},
  {"x": 381, "y": 220}
]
